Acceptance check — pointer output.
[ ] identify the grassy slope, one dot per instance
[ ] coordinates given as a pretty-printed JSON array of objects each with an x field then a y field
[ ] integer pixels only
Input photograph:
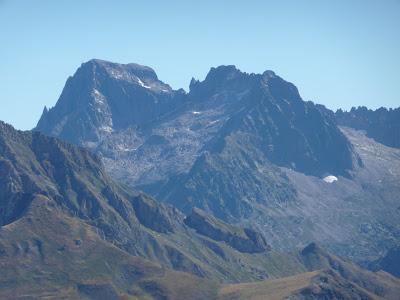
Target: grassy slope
[
  {"x": 275, "y": 289},
  {"x": 310, "y": 285},
  {"x": 48, "y": 254}
]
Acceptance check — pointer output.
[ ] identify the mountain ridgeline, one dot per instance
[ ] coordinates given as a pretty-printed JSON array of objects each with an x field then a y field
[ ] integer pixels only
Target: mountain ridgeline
[
  {"x": 104, "y": 97},
  {"x": 382, "y": 124}
]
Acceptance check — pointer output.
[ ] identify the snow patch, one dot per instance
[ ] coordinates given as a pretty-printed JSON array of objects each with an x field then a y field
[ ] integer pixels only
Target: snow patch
[
  {"x": 124, "y": 148},
  {"x": 106, "y": 129},
  {"x": 116, "y": 74},
  {"x": 213, "y": 122},
  {"x": 98, "y": 97},
  {"x": 330, "y": 179},
  {"x": 142, "y": 84}
]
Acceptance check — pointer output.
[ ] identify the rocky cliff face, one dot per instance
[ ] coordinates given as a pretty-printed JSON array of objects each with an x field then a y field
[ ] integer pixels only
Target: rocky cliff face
[{"x": 383, "y": 125}]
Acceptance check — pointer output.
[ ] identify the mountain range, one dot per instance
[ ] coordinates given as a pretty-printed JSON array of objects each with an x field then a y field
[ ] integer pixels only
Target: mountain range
[
  {"x": 243, "y": 147},
  {"x": 236, "y": 189}
]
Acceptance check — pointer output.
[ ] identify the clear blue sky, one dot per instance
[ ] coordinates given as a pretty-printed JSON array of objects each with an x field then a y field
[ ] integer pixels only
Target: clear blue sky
[{"x": 338, "y": 53}]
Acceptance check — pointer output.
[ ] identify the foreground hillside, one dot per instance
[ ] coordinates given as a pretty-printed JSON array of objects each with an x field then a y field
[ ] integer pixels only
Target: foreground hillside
[{"x": 48, "y": 254}]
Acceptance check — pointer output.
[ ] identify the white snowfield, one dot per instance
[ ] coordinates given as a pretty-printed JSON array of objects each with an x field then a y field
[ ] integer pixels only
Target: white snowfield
[{"x": 330, "y": 179}]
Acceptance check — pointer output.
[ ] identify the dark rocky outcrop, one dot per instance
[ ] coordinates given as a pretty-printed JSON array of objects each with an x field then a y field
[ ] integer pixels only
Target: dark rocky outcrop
[
  {"x": 156, "y": 216},
  {"x": 244, "y": 240}
]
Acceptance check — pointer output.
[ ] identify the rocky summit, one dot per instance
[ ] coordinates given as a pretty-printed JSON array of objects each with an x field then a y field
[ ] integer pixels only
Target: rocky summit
[{"x": 103, "y": 97}]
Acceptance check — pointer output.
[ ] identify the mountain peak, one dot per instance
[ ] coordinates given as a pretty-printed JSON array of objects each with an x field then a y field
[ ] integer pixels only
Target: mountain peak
[
  {"x": 231, "y": 72},
  {"x": 103, "y": 96},
  {"x": 224, "y": 77},
  {"x": 223, "y": 70},
  {"x": 269, "y": 74},
  {"x": 122, "y": 71}
]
